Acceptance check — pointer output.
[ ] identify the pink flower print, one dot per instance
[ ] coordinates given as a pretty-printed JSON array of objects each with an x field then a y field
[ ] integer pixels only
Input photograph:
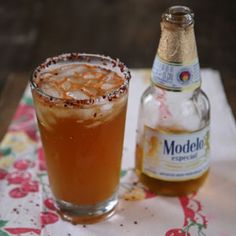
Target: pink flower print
[
  {"x": 41, "y": 154},
  {"x": 49, "y": 203},
  {"x": 192, "y": 209},
  {"x": 193, "y": 217},
  {"x": 23, "y": 164},
  {"x": 188, "y": 212},
  {"x": 42, "y": 163},
  {"x": 48, "y": 218},
  {"x": 200, "y": 219},
  {"x": 42, "y": 166},
  {"x": 3, "y": 174},
  {"x": 149, "y": 194},
  {"x": 19, "y": 231},
  {"x": 176, "y": 232},
  {"x": 24, "y": 120},
  {"x": 18, "y": 193},
  {"x": 30, "y": 186},
  {"x": 204, "y": 219},
  {"x": 22, "y": 110},
  {"x": 17, "y": 177}
]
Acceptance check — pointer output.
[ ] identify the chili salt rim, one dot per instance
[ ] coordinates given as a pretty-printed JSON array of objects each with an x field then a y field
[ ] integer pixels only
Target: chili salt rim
[{"x": 105, "y": 61}]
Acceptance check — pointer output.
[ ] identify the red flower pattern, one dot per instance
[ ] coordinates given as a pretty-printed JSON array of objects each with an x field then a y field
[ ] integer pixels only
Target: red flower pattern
[
  {"x": 17, "y": 177},
  {"x": 49, "y": 203},
  {"x": 48, "y": 218},
  {"x": 24, "y": 120},
  {"x": 176, "y": 232},
  {"x": 192, "y": 217},
  {"x": 41, "y": 158},
  {"x": 23, "y": 164},
  {"x": 18, "y": 193},
  {"x": 18, "y": 231},
  {"x": 30, "y": 186},
  {"x": 3, "y": 174}
]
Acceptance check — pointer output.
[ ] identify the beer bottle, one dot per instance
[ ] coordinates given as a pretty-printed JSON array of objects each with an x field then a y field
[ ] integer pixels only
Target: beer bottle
[{"x": 172, "y": 151}]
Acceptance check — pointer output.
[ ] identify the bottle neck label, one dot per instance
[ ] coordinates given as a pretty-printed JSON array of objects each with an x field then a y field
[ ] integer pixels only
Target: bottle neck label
[
  {"x": 176, "y": 76},
  {"x": 175, "y": 157}
]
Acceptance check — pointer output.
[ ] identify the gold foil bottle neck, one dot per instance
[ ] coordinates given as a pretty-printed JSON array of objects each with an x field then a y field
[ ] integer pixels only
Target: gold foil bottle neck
[{"x": 177, "y": 43}]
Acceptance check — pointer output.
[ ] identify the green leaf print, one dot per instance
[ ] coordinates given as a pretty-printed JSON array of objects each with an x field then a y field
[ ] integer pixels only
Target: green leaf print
[
  {"x": 3, "y": 223},
  {"x": 28, "y": 100},
  {"x": 2, "y": 233},
  {"x": 123, "y": 173},
  {"x": 4, "y": 151}
]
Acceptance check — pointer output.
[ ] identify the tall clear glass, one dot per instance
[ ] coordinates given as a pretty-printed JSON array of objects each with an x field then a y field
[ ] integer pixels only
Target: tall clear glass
[{"x": 80, "y": 102}]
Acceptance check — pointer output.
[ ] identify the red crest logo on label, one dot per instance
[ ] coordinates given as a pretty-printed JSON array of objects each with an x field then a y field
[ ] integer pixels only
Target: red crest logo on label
[{"x": 184, "y": 76}]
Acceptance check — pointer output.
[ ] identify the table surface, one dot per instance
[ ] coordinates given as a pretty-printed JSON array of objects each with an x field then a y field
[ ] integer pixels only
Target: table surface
[{"x": 34, "y": 30}]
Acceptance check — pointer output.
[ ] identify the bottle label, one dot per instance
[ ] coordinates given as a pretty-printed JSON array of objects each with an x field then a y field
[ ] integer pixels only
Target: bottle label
[
  {"x": 174, "y": 76},
  {"x": 175, "y": 157}
]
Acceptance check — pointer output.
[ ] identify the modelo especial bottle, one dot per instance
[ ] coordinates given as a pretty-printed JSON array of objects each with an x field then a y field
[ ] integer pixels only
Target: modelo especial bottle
[{"x": 172, "y": 151}]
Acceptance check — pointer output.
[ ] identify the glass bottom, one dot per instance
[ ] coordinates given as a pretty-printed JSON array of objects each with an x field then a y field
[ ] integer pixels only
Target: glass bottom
[{"x": 87, "y": 214}]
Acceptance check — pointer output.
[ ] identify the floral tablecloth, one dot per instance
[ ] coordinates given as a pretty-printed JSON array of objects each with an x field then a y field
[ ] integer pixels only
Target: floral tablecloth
[{"x": 27, "y": 207}]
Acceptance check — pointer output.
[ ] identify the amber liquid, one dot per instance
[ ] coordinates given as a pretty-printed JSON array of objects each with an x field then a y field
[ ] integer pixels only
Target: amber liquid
[
  {"x": 82, "y": 143},
  {"x": 83, "y": 159},
  {"x": 164, "y": 187}
]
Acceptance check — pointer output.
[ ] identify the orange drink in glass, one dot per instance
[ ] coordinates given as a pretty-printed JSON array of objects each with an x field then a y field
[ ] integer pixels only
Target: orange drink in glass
[{"x": 80, "y": 102}]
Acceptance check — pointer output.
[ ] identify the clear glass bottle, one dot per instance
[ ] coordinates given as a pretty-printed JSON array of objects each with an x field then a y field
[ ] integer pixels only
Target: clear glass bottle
[{"x": 172, "y": 152}]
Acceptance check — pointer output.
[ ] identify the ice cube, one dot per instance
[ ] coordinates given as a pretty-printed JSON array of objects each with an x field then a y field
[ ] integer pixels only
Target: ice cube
[
  {"x": 77, "y": 80},
  {"x": 94, "y": 124},
  {"x": 89, "y": 75},
  {"x": 110, "y": 78},
  {"x": 87, "y": 114},
  {"x": 78, "y": 94},
  {"x": 107, "y": 86},
  {"x": 51, "y": 91},
  {"x": 46, "y": 75},
  {"x": 90, "y": 91},
  {"x": 64, "y": 71},
  {"x": 106, "y": 107},
  {"x": 93, "y": 83},
  {"x": 66, "y": 85},
  {"x": 79, "y": 69},
  {"x": 45, "y": 116}
]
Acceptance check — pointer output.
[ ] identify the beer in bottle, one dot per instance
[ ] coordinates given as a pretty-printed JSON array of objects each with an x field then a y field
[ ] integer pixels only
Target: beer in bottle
[{"x": 172, "y": 151}]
